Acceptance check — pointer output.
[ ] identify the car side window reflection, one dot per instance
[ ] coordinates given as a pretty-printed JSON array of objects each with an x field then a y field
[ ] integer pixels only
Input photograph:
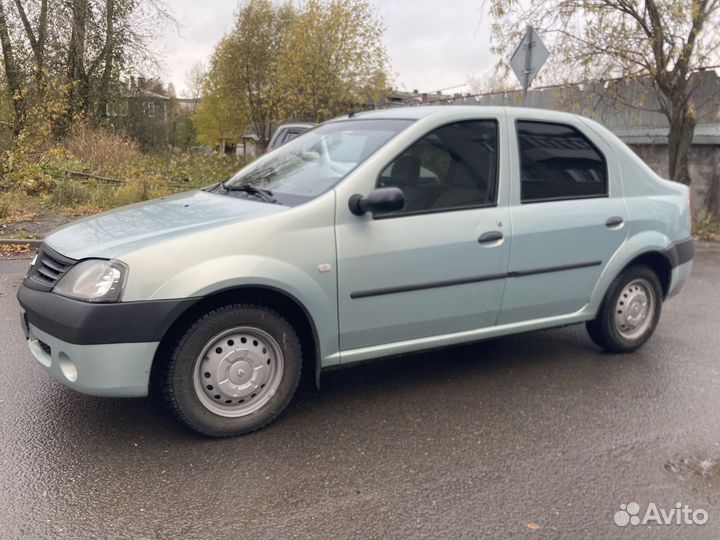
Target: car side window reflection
[{"x": 453, "y": 167}]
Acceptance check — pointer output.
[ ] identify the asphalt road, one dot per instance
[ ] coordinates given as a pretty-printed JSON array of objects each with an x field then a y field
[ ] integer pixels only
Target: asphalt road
[{"x": 535, "y": 436}]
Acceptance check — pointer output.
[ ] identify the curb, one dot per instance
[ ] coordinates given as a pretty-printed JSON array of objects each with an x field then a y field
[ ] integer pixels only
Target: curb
[{"x": 16, "y": 242}]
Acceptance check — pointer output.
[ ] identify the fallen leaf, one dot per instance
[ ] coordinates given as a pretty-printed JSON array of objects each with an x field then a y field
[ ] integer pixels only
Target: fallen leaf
[
  {"x": 14, "y": 248},
  {"x": 533, "y": 526}
]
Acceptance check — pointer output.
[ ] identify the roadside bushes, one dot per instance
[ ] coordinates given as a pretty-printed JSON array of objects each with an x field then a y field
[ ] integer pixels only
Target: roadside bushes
[
  {"x": 101, "y": 151},
  {"x": 93, "y": 169}
]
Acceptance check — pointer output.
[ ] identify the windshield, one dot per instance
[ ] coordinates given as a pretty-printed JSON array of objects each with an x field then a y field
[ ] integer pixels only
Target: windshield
[{"x": 317, "y": 160}]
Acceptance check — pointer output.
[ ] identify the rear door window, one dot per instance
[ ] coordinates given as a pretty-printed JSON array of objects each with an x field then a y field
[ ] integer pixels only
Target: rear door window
[{"x": 558, "y": 162}]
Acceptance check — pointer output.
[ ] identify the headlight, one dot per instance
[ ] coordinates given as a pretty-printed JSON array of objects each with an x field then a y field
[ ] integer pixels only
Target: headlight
[{"x": 94, "y": 280}]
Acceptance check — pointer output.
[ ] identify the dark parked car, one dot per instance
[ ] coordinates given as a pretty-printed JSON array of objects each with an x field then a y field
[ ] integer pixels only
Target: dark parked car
[{"x": 286, "y": 133}]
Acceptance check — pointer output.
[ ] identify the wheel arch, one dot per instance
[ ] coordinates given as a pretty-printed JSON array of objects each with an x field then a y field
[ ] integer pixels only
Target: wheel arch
[
  {"x": 650, "y": 248},
  {"x": 658, "y": 262},
  {"x": 263, "y": 295}
]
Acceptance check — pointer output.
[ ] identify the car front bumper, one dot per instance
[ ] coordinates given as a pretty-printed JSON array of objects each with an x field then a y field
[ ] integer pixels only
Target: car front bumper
[
  {"x": 113, "y": 370},
  {"x": 97, "y": 349}
]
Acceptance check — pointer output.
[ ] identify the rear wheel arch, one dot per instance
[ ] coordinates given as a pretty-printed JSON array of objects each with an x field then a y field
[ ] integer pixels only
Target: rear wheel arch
[
  {"x": 279, "y": 301},
  {"x": 659, "y": 263},
  {"x": 654, "y": 258}
]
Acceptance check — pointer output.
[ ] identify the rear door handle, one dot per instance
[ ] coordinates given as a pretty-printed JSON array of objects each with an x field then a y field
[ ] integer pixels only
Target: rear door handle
[
  {"x": 614, "y": 221},
  {"x": 490, "y": 236}
]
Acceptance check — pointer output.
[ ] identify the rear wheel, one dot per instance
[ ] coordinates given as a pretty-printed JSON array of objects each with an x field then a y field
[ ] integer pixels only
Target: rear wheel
[
  {"x": 630, "y": 311},
  {"x": 233, "y": 371}
]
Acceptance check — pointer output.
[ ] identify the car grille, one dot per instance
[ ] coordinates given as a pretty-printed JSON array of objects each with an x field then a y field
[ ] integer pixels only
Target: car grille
[{"x": 49, "y": 267}]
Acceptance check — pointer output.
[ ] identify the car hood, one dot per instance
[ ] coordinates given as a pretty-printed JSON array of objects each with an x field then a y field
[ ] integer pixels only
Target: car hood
[{"x": 117, "y": 232}]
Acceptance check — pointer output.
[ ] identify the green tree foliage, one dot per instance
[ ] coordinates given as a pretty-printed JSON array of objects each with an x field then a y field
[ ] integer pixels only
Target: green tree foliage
[
  {"x": 334, "y": 60},
  {"x": 219, "y": 117},
  {"x": 285, "y": 61},
  {"x": 661, "y": 42}
]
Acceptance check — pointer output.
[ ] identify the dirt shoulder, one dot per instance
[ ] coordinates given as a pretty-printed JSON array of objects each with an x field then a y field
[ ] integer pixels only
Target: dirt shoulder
[{"x": 33, "y": 225}]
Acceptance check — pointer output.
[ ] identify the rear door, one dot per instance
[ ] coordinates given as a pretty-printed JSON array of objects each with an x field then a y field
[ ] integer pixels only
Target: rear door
[{"x": 568, "y": 217}]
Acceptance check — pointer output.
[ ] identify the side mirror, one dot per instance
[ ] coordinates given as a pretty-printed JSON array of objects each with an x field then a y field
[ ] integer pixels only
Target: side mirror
[{"x": 389, "y": 199}]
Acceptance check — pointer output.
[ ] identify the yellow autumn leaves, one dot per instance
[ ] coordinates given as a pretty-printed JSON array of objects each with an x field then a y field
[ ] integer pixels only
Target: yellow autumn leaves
[{"x": 285, "y": 62}]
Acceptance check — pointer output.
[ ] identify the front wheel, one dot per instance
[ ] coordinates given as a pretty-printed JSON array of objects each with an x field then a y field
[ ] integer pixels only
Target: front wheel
[
  {"x": 630, "y": 311},
  {"x": 233, "y": 371}
]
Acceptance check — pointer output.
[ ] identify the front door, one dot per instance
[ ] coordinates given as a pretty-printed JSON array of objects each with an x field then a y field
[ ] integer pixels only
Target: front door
[{"x": 438, "y": 265}]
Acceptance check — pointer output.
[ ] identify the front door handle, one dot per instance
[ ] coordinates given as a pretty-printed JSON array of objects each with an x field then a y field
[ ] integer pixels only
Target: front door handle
[
  {"x": 614, "y": 221},
  {"x": 490, "y": 236}
]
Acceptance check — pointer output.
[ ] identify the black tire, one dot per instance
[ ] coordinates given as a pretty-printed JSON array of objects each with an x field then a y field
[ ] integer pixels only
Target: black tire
[
  {"x": 179, "y": 386},
  {"x": 604, "y": 330}
]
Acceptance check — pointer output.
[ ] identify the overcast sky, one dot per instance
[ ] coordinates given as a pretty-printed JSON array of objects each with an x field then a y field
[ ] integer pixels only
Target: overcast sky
[{"x": 432, "y": 44}]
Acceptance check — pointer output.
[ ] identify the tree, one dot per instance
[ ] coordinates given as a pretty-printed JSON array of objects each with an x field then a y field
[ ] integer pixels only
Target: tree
[
  {"x": 333, "y": 61},
  {"x": 106, "y": 37},
  {"x": 13, "y": 76},
  {"x": 84, "y": 44},
  {"x": 76, "y": 72},
  {"x": 306, "y": 62},
  {"x": 491, "y": 81},
  {"x": 246, "y": 63},
  {"x": 106, "y": 57},
  {"x": 194, "y": 79},
  {"x": 218, "y": 118},
  {"x": 660, "y": 41},
  {"x": 36, "y": 38}
]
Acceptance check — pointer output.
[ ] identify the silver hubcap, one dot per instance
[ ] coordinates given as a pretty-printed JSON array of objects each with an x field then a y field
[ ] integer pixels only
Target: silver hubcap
[
  {"x": 635, "y": 309},
  {"x": 238, "y": 371}
]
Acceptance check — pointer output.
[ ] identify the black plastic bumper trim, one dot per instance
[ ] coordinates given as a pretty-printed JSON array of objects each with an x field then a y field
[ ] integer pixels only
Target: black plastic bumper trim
[
  {"x": 680, "y": 252},
  {"x": 84, "y": 323}
]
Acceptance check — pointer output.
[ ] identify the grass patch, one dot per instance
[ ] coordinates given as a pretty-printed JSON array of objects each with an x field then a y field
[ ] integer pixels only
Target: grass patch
[
  {"x": 707, "y": 229},
  {"x": 15, "y": 206}
]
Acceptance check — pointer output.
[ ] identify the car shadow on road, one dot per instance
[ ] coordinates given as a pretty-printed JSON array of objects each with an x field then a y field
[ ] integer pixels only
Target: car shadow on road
[{"x": 494, "y": 370}]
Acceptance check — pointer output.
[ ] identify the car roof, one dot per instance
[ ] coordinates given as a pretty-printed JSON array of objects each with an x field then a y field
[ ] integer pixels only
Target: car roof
[
  {"x": 296, "y": 125},
  {"x": 425, "y": 111}
]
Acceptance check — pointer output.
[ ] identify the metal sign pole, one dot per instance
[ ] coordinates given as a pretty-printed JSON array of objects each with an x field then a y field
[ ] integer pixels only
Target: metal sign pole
[{"x": 528, "y": 63}]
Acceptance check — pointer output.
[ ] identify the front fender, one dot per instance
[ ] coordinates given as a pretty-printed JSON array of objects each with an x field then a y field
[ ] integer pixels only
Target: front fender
[
  {"x": 634, "y": 246},
  {"x": 317, "y": 294}
]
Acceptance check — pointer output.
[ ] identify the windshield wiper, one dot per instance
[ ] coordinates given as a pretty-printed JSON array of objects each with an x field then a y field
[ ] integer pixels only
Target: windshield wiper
[{"x": 262, "y": 194}]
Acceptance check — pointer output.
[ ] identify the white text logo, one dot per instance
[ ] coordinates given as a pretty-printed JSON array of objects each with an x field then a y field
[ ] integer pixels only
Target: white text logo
[{"x": 680, "y": 514}]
